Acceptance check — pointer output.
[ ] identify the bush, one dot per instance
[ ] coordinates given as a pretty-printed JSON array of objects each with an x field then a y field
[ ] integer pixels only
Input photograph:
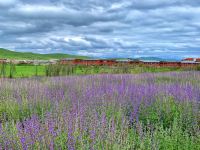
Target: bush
[
  {"x": 198, "y": 68},
  {"x": 3, "y": 69}
]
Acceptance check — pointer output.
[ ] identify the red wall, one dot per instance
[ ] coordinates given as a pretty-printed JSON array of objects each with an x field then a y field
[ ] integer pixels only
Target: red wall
[{"x": 113, "y": 62}]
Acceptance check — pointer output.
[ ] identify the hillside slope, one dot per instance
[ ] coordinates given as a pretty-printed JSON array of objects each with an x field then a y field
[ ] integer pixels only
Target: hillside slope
[{"x": 4, "y": 53}]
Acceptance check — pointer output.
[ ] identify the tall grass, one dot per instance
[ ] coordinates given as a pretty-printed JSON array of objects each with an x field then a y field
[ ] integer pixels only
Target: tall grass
[
  {"x": 146, "y": 111},
  {"x": 7, "y": 70},
  {"x": 12, "y": 70},
  {"x": 59, "y": 70},
  {"x": 3, "y": 69}
]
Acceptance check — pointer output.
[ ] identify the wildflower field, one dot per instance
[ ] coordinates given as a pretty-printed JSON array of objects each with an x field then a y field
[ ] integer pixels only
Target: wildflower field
[{"x": 119, "y": 112}]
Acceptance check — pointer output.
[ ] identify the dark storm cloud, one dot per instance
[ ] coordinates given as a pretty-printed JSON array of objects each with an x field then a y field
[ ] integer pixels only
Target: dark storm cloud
[{"x": 114, "y": 28}]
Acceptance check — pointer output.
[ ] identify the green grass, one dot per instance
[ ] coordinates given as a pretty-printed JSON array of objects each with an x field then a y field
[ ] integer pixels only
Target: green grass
[
  {"x": 30, "y": 70},
  {"x": 7, "y": 54},
  {"x": 26, "y": 71}
]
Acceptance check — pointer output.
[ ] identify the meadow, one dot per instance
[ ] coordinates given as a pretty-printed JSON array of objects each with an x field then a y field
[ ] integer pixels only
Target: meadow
[
  {"x": 107, "y": 111},
  {"x": 24, "y": 71}
]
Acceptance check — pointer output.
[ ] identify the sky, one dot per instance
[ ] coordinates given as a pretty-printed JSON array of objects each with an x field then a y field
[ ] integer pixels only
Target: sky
[{"x": 102, "y": 28}]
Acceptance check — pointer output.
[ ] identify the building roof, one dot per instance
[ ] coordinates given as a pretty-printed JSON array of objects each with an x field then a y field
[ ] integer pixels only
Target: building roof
[
  {"x": 191, "y": 60},
  {"x": 188, "y": 59},
  {"x": 188, "y": 62}
]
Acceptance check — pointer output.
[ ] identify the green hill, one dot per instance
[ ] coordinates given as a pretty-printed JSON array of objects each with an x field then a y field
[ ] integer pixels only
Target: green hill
[{"x": 4, "y": 53}]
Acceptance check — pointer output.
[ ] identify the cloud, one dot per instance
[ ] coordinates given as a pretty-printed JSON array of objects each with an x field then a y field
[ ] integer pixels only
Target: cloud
[
  {"x": 7, "y": 3},
  {"x": 102, "y": 28}
]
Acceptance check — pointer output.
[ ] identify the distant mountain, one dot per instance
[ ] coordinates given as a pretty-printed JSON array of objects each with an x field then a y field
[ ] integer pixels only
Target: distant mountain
[
  {"x": 157, "y": 59},
  {"x": 8, "y": 54},
  {"x": 149, "y": 59}
]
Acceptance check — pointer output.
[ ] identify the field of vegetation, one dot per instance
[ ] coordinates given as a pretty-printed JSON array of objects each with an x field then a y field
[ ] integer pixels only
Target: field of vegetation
[
  {"x": 16, "y": 71},
  {"x": 124, "y": 111}
]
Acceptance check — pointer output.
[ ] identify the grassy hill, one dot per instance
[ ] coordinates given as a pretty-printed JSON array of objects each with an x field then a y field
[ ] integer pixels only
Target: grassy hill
[{"x": 4, "y": 53}]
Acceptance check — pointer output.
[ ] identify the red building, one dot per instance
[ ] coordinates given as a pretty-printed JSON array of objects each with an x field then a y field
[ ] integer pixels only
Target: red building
[
  {"x": 87, "y": 62},
  {"x": 198, "y": 60},
  {"x": 109, "y": 62},
  {"x": 188, "y": 62},
  {"x": 169, "y": 64},
  {"x": 188, "y": 59}
]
